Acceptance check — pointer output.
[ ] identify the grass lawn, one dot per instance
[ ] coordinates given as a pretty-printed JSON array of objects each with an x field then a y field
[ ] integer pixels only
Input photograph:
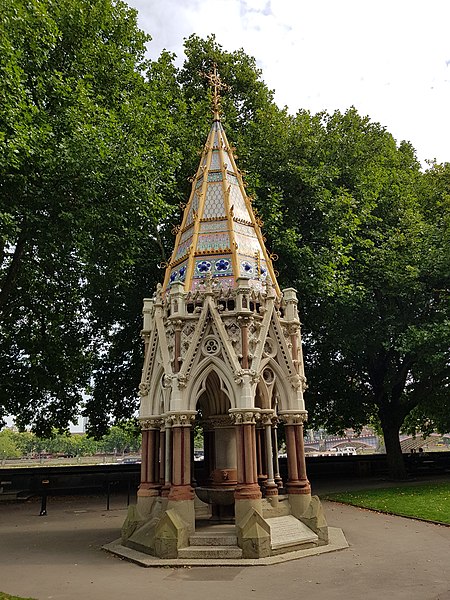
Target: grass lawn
[
  {"x": 4, "y": 596},
  {"x": 430, "y": 501}
]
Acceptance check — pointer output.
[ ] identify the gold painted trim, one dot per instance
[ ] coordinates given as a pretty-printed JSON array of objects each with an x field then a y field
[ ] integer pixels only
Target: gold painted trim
[
  {"x": 201, "y": 206},
  {"x": 226, "y": 187}
]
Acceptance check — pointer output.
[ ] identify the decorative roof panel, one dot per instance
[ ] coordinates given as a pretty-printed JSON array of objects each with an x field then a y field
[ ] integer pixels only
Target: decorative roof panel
[{"x": 219, "y": 233}]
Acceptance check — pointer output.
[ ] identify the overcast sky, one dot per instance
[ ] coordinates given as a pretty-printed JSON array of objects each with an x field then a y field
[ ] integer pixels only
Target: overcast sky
[{"x": 388, "y": 58}]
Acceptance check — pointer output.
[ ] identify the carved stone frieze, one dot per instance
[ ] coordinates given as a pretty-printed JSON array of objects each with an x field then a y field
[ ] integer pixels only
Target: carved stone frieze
[{"x": 216, "y": 421}]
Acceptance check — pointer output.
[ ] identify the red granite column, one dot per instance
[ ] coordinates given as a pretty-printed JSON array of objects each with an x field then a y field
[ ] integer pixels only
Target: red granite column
[
  {"x": 247, "y": 487},
  {"x": 150, "y": 485},
  {"x": 181, "y": 488},
  {"x": 297, "y": 478}
]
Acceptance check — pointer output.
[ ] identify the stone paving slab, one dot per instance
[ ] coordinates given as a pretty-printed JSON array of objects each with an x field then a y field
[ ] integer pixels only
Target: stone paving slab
[{"x": 59, "y": 557}]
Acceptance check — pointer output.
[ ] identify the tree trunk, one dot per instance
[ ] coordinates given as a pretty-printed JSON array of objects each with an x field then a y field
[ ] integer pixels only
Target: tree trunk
[{"x": 394, "y": 456}]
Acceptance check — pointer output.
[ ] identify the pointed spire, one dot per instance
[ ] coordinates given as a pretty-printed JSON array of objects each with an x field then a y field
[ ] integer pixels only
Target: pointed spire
[
  {"x": 219, "y": 234},
  {"x": 216, "y": 85}
]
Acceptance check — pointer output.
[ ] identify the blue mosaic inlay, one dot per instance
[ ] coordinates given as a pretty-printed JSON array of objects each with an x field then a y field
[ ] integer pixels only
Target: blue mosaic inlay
[
  {"x": 246, "y": 267},
  {"x": 222, "y": 264},
  {"x": 204, "y": 266}
]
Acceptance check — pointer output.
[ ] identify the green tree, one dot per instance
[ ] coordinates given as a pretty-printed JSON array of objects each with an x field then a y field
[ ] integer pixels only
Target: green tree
[
  {"x": 85, "y": 166},
  {"x": 120, "y": 439},
  {"x": 8, "y": 446},
  {"x": 364, "y": 238}
]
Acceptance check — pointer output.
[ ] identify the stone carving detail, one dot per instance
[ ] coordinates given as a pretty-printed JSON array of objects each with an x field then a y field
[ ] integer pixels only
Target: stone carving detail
[
  {"x": 166, "y": 381},
  {"x": 219, "y": 421},
  {"x": 170, "y": 336},
  {"x": 144, "y": 388},
  {"x": 293, "y": 328},
  {"x": 298, "y": 382},
  {"x": 268, "y": 417},
  {"x": 234, "y": 335},
  {"x": 211, "y": 346},
  {"x": 182, "y": 381},
  {"x": 270, "y": 349},
  {"x": 294, "y": 418},
  {"x": 245, "y": 416},
  {"x": 181, "y": 419},
  {"x": 151, "y": 423}
]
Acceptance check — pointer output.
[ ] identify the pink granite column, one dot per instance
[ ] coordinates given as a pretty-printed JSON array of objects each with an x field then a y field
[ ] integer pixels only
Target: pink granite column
[
  {"x": 150, "y": 485},
  {"x": 181, "y": 488},
  {"x": 297, "y": 478},
  {"x": 247, "y": 487}
]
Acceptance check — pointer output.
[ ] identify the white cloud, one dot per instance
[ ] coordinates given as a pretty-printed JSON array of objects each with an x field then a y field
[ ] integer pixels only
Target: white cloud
[{"x": 388, "y": 58}]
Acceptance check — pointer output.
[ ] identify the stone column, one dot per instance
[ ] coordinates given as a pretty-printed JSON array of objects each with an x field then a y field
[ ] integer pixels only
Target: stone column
[
  {"x": 162, "y": 455},
  {"x": 181, "y": 494},
  {"x": 276, "y": 463},
  {"x": 297, "y": 486},
  {"x": 149, "y": 487},
  {"x": 247, "y": 494},
  {"x": 209, "y": 453},
  {"x": 180, "y": 488},
  {"x": 167, "y": 457},
  {"x": 270, "y": 484}
]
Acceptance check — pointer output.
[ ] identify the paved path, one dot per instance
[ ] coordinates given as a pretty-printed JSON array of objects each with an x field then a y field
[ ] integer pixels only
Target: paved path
[{"x": 59, "y": 557}]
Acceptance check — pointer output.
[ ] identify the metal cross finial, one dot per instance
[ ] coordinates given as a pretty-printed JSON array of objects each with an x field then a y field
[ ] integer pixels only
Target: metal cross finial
[{"x": 217, "y": 85}]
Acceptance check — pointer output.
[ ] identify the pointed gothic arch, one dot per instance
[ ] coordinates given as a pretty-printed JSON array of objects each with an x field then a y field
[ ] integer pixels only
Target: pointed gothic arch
[
  {"x": 200, "y": 375},
  {"x": 281, "y": 385}
]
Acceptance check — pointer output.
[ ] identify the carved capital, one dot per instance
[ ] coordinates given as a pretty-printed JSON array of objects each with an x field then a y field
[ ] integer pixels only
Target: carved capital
[
  {"x": 244, "y": 320},
  {"x": 151, "y": 423},
  {"x": 268, "y": 417},
  {"x": 243, "y": 417},
  {"x": 293, "y": 417},
  {"x": 177, "y": 324},
  {"x": 293, "y": 328},
  {"x": 298, "y": 382},
  {"x": 241, "y": 373},
  {"x": 144, "y": 388},
  {"x": 181, "y": 419},
  {"x": 182, "y": 381}
]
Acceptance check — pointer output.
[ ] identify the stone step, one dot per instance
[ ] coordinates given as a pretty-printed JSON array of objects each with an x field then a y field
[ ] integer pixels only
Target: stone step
[
  {"x": 212, "y": 539},
  {"x": 206, "y": 552}
]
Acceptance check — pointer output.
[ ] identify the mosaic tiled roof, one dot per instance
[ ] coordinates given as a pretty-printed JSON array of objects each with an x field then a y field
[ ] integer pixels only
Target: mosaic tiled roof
[{"x": 219, "y": 233}]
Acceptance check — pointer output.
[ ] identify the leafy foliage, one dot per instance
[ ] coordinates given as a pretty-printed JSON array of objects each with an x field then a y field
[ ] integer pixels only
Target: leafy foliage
[{"x": 96, "y": 148}]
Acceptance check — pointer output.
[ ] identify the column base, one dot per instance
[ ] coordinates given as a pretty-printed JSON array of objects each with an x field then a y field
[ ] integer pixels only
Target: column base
[
  {"x": 146, "y": 498},
  {"x": 271, "y": 489},
  {"x": 178, "y": 493},
  {"x": 247, "y": 491},
  {"x": 149, "y": 490},
  {"x": 302, "y": 486},
  {"x": 165, "y": 490}
]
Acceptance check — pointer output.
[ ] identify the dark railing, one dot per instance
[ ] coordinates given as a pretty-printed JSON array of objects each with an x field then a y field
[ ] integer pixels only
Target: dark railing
[{"x": 106, "y": 479}]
